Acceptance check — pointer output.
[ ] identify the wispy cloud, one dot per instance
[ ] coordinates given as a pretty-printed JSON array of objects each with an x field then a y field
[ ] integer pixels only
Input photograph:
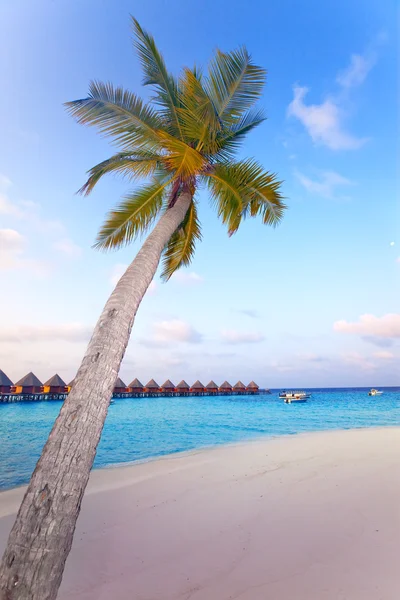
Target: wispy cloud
[
  {"x": 327, "y": 184},
  {"x": 384, "y": 355},
  {"x": 12, "y": 254},
  {"x": 65, "y": 332},
  {"x": 67, "y": 247},
  {"x": 356, "y": 359},
  {"x": 174, "y": 330},
  {"x": 377, "y": 330},
  {"x": 323, "y": 122},
  {"x": 249, "y": 312},
  {"x": 187, "y": 278},
  {"x": 357, "y": 71},
  {"x": 231, "y": 336}
]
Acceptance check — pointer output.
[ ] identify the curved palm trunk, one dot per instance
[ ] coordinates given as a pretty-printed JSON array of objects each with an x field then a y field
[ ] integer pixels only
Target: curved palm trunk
[{"x": 41, "y": 538}]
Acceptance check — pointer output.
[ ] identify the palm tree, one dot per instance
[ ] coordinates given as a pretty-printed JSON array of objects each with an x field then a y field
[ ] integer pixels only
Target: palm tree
[{"x": 187, "y": 136}]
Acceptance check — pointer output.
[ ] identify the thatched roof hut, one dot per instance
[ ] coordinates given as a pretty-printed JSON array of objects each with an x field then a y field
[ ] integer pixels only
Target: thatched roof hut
[
  {"x": 5, "y": 383},
  {"x": 252, "y": 387},
  {"x": 168, "y": 386},
  {"x": 136, "y": 385},
  {"x": 182, "y": 385},
  {"x": 54, "y": 385},
  {"x": 225, "y": 387},
  {"x": 152, "y": 386},
  {"x": 239, "y": 387},
  {"x": 119, "y": 386},
  {"x": 29, "y": 384},
  {"x": 212, "y": 387},
  {"x": 197, "y": 387}
]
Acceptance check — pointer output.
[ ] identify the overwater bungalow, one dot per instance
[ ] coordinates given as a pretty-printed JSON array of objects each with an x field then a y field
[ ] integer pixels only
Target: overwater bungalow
[
  {"x": 55, "y": 385},
  {"x": 183, "y": 388},
  {"x": 5, "y": 383},
  {"x": 239, "y": 388},
  {"x": 225, "y": 388},
  {"x": 119, "y": 387},
  {"x": 152, "y": 388},
  {"x": 69, "y": 386},
  {"x": 252, "y": 388},
  {"x": 168, "y": 388},
  {"x": 29, "y": 384},
  {"x": 136, "y": 387},
  {"x": 197, "y": 388},
  {"x": 211, "y": 388}
]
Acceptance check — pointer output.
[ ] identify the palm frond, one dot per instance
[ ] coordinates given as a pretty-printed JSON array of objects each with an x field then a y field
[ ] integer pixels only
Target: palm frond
[
  {"x": 181, "y": 158},
  {"x": 244, "y": 189},
  {"x": 199, "y": 120},
  {"x": 133, "y": 216},
  {"x": 234, "y": 83},
  {"x": 230, "y": 139},
  {"x": 156, "y": 74},
  {"x": 119, "y": 114},
  {"x": 132, "y": 166},
  {"x": 181, "y": 247}
]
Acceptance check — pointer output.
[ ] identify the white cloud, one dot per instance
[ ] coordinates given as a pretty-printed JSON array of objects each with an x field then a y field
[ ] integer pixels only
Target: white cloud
[
  {"x": 326, "y": 186},
  {"x": 323, "y": 122},
  {"x": 5, "y": 182},
  {"x": 12, "y": 248},
  {"x": 359, "y": 361},
  {"x": 357, "y": 71},
  {"x": 68, "y": 247},
  {"x": 384, "y": 355},
  {"x": 65, "y": 332},
  {"x": 392, "y": 243},
  {"x": 119, "y": 269},
  {"x": 249, "y": 312},
  {"x": 379, "y": 330},
  {"x": 175, "y": 330},
  {"x": 230, "y": 336},
  {"x": 187, "y": 278}
]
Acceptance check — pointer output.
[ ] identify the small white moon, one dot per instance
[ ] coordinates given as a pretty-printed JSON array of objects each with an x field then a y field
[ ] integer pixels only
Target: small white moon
[{"x": 392, "y": 243}]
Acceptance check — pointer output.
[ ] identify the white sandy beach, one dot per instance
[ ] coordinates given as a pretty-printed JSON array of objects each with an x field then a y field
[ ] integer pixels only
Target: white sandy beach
[{"x": 308, "y": 517}]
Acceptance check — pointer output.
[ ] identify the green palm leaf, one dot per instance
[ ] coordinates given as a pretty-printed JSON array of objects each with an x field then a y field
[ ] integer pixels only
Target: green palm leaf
[
  {"x": 230, "y": 139},
  {"x": 133, "y": 216},
  {"x": 244, "y": 189},
  {"x": 156, "y": 74},
  {"x": 132, "y": 166},
  {"x": 180, "y": 249},
  {"x": 119, "y": 114},
  {"x": 234, "y": 84}
]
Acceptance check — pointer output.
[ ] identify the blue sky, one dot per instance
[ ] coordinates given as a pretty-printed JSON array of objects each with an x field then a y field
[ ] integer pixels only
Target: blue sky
[{"x": 311, "y": 303}]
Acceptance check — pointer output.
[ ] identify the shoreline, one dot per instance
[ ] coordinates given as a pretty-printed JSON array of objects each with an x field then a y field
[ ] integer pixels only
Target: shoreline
[
  {"x": 309, "y": 515},
  {"x": 202, "y": 449}
]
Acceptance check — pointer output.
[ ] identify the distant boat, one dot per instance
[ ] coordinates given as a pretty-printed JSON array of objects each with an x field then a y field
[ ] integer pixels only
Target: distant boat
[
  {"x": 374, "y": 392},
  {"x": 298, "y": 396}
]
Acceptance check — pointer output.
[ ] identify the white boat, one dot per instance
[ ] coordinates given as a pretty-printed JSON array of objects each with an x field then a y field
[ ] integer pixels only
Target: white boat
[
  {"x": 291, "y": 396},
  {"x": 374, "y": 392}
]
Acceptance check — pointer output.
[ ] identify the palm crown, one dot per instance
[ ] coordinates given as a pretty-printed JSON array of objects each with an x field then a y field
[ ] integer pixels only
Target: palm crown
[{"x": 186, "y": 136}]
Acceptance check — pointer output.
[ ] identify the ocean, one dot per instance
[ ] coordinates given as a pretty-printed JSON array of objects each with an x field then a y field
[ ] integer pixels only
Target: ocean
[{"x": 137, "y": 429}]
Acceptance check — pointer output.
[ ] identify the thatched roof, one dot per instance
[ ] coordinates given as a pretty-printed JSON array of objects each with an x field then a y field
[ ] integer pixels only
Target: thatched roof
[
  {"x": 182, "y": 385},
  {"x": 71, "y": 383},
  {"x": 168, "y": 385},
  {"x": 136, "y": 384},
  {"x": 197, "y": 385},
  {"x": 252, "y": 386},
  {"x": 4, "y": 380},
  {"x": 29, "y": 380},
  {"x": 212, "y": 385},
  {"x": 225, "y": 385},
  {"x": 119, "y": 383},
  {"x": 152, "y": 385},
  {"x": 55, "y": 381},
  {"x": 239, "y": 386}
]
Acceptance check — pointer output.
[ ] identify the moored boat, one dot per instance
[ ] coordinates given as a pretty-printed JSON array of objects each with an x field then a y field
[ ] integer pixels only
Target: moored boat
[
  {"x": 294, "y": 396},
  {"x": 374, "y": 392}
]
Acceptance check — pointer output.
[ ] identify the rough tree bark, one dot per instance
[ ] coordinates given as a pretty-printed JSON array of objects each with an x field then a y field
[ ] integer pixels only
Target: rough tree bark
[{"x": 41, "y": 538}]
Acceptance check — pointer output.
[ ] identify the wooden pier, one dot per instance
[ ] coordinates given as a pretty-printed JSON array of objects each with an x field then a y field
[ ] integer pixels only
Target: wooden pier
[{"x": 30, "y": 389}]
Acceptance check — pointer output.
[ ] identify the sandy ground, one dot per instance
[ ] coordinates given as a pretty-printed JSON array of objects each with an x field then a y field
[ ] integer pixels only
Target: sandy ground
[{"x": 309, "y": 517}]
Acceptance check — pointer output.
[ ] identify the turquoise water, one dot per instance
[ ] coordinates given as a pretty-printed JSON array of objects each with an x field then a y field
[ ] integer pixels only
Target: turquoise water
[{"x": 140, "y": 428}]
